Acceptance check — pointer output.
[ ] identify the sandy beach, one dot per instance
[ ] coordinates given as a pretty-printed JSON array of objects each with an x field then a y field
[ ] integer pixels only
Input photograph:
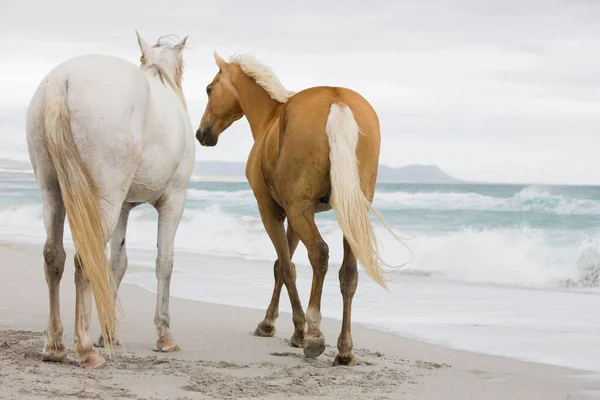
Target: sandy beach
[{"x": 220, "y": 359}]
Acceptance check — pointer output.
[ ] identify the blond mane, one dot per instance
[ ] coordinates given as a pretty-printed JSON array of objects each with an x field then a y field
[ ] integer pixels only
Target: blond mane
[{"x": 263, "y": 75}]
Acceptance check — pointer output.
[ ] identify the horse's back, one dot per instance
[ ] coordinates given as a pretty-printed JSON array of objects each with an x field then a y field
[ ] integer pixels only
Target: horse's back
[
  {"x": 101, "y": 90},
  {"x": 98, "y": 69},
  {"x": 107, "y": 100},
  {"x": 101, "y": 86},
  {"x": 317, "y": 101}
]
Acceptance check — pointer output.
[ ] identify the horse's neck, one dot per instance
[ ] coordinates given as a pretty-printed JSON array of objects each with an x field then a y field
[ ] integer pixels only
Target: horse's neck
[
  {"x": 170, "y": 83},
  {"x": 258, "y": 106}
]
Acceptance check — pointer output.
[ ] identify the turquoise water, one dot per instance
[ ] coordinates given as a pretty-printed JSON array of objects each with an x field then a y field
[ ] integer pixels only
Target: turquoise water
[
  {"x": 505, "y": 234},
  {"x": 445, "y": 207},
  {"x": 416, "y": 206},
  {"x": 511, "y": 270}
]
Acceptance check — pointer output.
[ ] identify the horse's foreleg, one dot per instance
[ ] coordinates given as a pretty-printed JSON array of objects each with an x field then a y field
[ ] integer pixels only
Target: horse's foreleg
[
  {"x": 301, "y": 216},
  {"x": 273, "y": 216},
  {"x": 267, "y": 327},
  {"x": 118, "y": 255},
  {"x": 54, "y": 265},
  {"x": 348, "y": 282},
  {"x": 170, "y": 209}
]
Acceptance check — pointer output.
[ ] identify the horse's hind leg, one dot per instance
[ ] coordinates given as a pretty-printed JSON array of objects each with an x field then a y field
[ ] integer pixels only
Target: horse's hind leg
[
  {"x": 54, "y": 265},
  {"x": 301, "y": 216},
  {"x": 170, "y": 209},
  {"x": 348, "y": 282},
  {"x": 118, "y": 255},
  {"x": 267, "y": 327},
  {"x": 272, "y": 216},
  {"x": 84, "y": 350}
]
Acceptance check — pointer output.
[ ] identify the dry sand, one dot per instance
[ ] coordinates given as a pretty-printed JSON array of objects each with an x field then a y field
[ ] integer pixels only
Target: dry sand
[{"x": 220, "y": 359}]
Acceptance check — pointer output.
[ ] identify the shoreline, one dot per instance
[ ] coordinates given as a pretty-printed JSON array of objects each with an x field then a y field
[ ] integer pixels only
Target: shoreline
[
  {"x": 221, "y": 359},
  {"x": 185, "y": 257},
  {"x": 383, "y": 329}
]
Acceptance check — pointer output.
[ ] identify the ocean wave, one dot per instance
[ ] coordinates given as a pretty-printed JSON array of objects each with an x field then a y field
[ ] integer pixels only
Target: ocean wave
[
  {"x": 513, "y": 256},
  {"x": 529, "y": 199},
  {"x": 22, "y": 223},
  {"x": 522, "y": 257},
  {"x": 215, "y": 196}
]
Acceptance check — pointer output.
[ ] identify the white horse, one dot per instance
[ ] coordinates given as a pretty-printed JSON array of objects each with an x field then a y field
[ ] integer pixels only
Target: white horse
[{"x": 104, "y": 136}]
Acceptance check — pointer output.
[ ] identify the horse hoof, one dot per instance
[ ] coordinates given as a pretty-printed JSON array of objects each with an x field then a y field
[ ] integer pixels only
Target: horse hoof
[
  {"x": 348, "y": 360},
  {"x": 167, "y": 349},
  {"x": 100, "y": 342},
  {"x": 297, "y": 340},
  {"x": 93, "y": 360},
  {"x": 264, "y": 330},
  {"x": 54, "y": 354},
  {"x": 314, "y": 346},
  {"x": 167, "y": 345}
]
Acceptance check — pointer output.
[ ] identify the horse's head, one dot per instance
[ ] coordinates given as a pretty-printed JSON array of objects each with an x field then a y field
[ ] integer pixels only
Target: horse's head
[
  {"x": 223, "y": 107},
  {"x": 165, "y": 57}
]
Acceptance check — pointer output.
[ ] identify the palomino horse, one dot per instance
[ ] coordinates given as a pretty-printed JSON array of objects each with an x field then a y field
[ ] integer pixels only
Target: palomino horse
[
  {"x": 313, "y": 151},
  {"x": 104, "y": 136}
]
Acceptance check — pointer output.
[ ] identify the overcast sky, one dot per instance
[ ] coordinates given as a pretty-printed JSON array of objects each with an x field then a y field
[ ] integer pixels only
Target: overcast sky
[{"x": 503, "y": 91}]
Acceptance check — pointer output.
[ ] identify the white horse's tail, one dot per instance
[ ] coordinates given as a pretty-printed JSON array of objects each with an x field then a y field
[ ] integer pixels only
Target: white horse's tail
[
  {"x": 81, "y": 197},
  {"x": 348, "y": 201}
]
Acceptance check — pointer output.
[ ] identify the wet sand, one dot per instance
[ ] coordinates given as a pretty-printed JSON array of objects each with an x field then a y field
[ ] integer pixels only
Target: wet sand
[{"x": 220, "y": 359}]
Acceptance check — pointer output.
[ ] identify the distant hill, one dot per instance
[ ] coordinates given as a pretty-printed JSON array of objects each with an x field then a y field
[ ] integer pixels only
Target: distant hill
[
  {"x": 406, "y": 174},
  {"x": 228, "y": 170},
  {"x": 414, "y": 174},
  {"x": 231, "y": 169},
  {"x": 14, "y": 164}
]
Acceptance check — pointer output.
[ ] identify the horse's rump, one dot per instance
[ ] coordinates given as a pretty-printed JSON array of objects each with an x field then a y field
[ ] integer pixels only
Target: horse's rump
[{"x": 308, "y": 135}]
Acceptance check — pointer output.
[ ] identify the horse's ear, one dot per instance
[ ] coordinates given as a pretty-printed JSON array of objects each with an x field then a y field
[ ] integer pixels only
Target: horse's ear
[
  {"x": 181, "y": 45},
  {"x": 143, "y": 45},
  {"x": 220, "y": 62}
]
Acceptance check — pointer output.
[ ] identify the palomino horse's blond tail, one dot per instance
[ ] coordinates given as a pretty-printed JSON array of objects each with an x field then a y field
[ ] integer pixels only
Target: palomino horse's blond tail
[
  {"x": 347, "y": 199},
  {"x": 81, "y": 197}
]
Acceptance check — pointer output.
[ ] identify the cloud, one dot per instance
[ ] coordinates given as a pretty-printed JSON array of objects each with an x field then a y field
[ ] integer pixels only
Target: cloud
[{"x": 500, "y": 90}]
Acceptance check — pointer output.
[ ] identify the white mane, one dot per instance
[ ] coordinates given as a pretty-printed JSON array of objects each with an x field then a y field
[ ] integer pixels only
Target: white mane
[
  {"x": 164, "y": 56},
  {"x": 264, "y": 76},
  {"x": 164, "y": 60}
]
